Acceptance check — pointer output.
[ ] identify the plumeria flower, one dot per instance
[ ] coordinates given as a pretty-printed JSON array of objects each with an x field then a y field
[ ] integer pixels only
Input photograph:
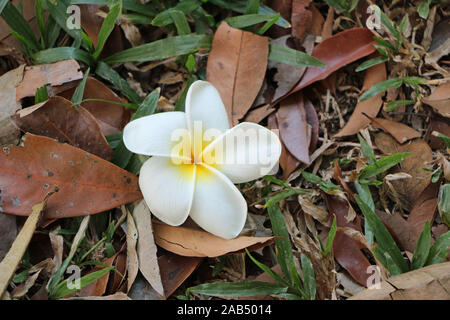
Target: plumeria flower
[{"x": 196, "y": 160}]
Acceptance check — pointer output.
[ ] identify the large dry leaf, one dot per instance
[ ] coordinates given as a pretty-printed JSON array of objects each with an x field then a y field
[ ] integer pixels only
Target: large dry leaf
[
  {"x": 191, "y": 242},
  {"x": 429, "y": 283},
  {"x": 347, "y": 251},
  {"x": 301, "y": 19},
  {"x": 87, "y": 184},
  {"x": 9, "y": 105},
  {"x": 236, "y": 67},
  {"x": 401, "y": 132},
  {"x": 58, "y": 118},
  {"x": 53, "y": 74},
  {"x": 370, "y": 107},
  {"x": 110, "y": 116},
  {"x": 408, "y": 190},
  {"x": 336, "y": 52},
  {"x": 146, "y": 248},
  {"x": 294, "y": 130},
  {"x": 424, "y": 208},
  {"x": 440, "y": 99}
]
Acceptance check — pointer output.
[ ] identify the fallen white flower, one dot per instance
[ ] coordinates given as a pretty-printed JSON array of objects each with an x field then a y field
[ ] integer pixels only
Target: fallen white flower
[{"x": 196, "y": 158}]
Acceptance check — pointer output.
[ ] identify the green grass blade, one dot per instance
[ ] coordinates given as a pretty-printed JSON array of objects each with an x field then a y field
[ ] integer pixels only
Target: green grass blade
[
  {"x": 77, "y": 96},
  {"x": 267, "y": 270},
  {"x": 309, "y": 278},
  {"x": 330, "y": 239},
  {"x": 248, "y": 20},
  {"x": 107, "y": 27},
  {"x": 382, "y": 165},
  {"x": 439, "y": 250},
  {"x": 381, "y": 87},
  {"x": 293, "y": 57},
  {"x": 422, "y": 248},
  {"x": 186, "y": 6},
  {"x": 180, "y": 21},
  {"x": 370, "y": 63},
  {"x": 41, "y": 95},
  {"x": 238, "y": 289},
  {"x": 62, "y": 53},
  {"x": 162, "y": 49},
  {"x": 382, "y": 235}
]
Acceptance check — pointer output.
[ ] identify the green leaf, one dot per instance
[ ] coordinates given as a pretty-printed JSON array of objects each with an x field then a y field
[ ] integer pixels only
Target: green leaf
[
  {"x": 282, "y": 240},
  {"x": 424, "y": 9},
  {"x": 3, "y": 3},
  {"x": 330, "y": 239},
  {"x": 382, "y": 165},
  {"x": 185, "y": 6},
  {"x": 309, "y": 279},
  {"x": 366, "y": 150},
  {"x": 180, "y": 21},
  {"x": 269, "y": 271},
  {"x": 114, "y": 139},
  {"x": 247, "y": 20},
  {"x": 444, "y": 203},
  {"x": 324, "y": 185},
  {"x": 62, "y": 53},
  {"x": 131, "y": 5},
  {"x": 283, "y": 195},
  {"x": 422, "y": 248},
  {"x": 252, "y": 7},
  {"x": 279, "y": 182},
  {"x": 338, "y": 5},
  {"x": 382, "y": 235},
  {"x": 41, "y": 95},
  {"x": 394, "y": 105},
  {"x": 444, "y": 138},
  {"x": 62, "y": 290},
  {"x": 40, "y": 21},
  {"x": 136, "y": 162},
  {"x": 238, "y": 289},
  {"x": 439, "y": 250},
  {"x": 293, "y": 57},
  {"x": 162, "y": 49},
  {"x": 106, "y": 72},
  {"x": 365, "y": 195},
  {"x": 77, "y": 96},
  {"x": 268, "y": 24},
  {"x": 380, "y": 87},
  {"x": 370, "y": 63},
  {"x": 107, "y": 27}
]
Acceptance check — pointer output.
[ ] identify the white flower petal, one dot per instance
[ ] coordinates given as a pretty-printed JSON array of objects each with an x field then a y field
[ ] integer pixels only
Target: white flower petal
[
  {"x": 218, "y": 206},
  {"x": 156, "y": 135},
  {"x": 246, "y": 152},
  {"x": 167, "y": 189},
  {"x": 203, "y": 103}
]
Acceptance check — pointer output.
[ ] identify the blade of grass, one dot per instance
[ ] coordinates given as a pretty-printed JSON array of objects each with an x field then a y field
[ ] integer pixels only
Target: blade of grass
[
  {"x": 62, "y": 53},
  {"x": 107, "y": 27},
  {"x": 422, "y": 248},
  {"x": 77, "y": 96},
  {"x": 293, "y": 57}
]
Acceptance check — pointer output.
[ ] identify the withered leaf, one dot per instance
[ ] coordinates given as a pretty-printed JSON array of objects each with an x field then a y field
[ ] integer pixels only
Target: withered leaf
[
  {"x": 236, "y": 67},
  {"x": 440, "y": 99},
  {"x": 57, "y": 118},
  {"x": 87, "y": 184},
  {"x": 401, "y": 132}
]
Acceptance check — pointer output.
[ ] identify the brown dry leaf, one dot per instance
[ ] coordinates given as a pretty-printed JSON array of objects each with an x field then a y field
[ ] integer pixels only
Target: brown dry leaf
[
  {"x": 401, "y": 132},
  {"x": 198, "y": 243},
  {"x": 132, "y": 256},
  {"x": 53, "y": 74},
  {"x": 408, "y": 190},
  {"x": 110, "y": 116},
  {"x": 424, "y": 208},
  {"x": 346, "y": 250},
  {"x": 294, "y": 130},
  {"x": 301, "y": 19},
  {"x": 428, "y": 283},
  {"x": 438, "y": 124},
  {"x": 22, "y": 289},
  {"x": 440, "y": 44},
  {"x": 336, "y": 52},
  {"x": 12, "y": 259},
  {"x": 316, "y": 212},
  {"x": 236, "y": 66},
  {"x": 440, "y": 99},
  {"x": 327, "y": 30},
  {"x": 87, "y": 184},
  {"x": 259, "y": 114},
  {"x": 370, "y": 106},
  {"x": 146, "y": 248},
  {"x": 8, "y": 232},
  {"x": 287, "y": 161},
  {"x": 57, "y": 118},
  {"x": 9, "y": 133}
]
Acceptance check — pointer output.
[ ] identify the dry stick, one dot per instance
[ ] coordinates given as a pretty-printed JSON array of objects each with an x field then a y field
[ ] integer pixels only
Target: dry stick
[{"x": 12, "y": 259}]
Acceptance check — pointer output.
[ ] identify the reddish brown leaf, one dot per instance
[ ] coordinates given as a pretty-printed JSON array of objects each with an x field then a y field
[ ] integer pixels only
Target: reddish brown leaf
[
  {"x": 346, "y": 250},
  {"x": 236, "y": 66},
  {"x": 370, "y": 106},
  {"x": 424, "y": 208},
  {"x": 110, "y": 116},
  {"x": 87, "y": 184},
  {"x": 59, "y": 119},
  {"x": 294, "y": 129},
  {"x": 401, "y": 132},
  {"x": 336, "y": 52},
  {"x": 53, "y": 74},
  {"x": 301, "y": 19},
  {"x": 438, "y": 124},
  {"x": 337, "y": 174}
]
